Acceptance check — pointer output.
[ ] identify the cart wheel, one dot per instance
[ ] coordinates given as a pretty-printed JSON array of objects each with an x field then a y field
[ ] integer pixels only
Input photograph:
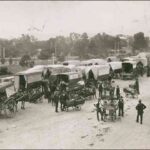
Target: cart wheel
[
  {"x": 9, "y": 113},
  {"x": 79, "y": 107},
  {"x": 136, "y": 96},
  {"x": 67, "y": 109}
]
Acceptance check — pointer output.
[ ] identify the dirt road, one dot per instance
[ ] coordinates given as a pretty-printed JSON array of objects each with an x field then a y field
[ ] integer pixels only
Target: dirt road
[{"x": 38, "y": 126}]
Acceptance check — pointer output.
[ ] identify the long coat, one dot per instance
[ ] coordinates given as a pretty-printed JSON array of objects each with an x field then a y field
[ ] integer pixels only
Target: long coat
[{"x": 140, "y": 107}]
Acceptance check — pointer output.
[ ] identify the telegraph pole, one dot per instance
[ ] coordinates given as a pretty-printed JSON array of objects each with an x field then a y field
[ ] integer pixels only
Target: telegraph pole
[{"x": 53, "y": 59}]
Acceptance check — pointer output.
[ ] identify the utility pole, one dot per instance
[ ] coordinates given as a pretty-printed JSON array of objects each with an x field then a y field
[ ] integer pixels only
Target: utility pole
[
  {"x": 53, "y": 59},
  {"x": 55, "y": 50},
  {"x": 118, "y": 44}
]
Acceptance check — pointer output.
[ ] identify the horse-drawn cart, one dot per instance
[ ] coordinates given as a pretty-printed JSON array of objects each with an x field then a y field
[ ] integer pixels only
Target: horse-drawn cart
[
  {"x": 75, "y": 103},
  {"x": 107, "y": 109},
  {"x": 131, "y": 91},
  {"x": 7, "y": 103},
  {"x": 110, "y": 109},
  {"x": 30, "y": 83}
]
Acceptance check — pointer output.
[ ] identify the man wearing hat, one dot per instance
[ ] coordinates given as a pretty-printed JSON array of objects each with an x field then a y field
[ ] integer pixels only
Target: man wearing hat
[
  {"x": 140, "y": 110},
  {"x": 137, "y": 86},
  {"x": 100, "y": 89},
  {"x": 56, "y": 99},
  {"x": 121, "y": 106}
]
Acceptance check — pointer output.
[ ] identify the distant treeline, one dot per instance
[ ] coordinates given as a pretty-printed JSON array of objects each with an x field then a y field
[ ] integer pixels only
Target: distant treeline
[{"x": 80, "y": 45}]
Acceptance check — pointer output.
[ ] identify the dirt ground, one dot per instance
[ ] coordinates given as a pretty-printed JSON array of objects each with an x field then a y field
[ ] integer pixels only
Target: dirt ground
[{"x": 39, "y": 127}]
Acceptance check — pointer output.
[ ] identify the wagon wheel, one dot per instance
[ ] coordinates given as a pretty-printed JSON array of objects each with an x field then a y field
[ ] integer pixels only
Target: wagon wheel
[
  {"x": 78, "y": 108},
  {"x": 115, "y": 115},
  {"x": 9, "y": 109},
  {"x": 7, "y": 112},
  {"x": 40, "y": 100},
  {"x": 135, "y": 95},
  {"x": 66, "y": 109},
  {"x": 127, "y": 94}
]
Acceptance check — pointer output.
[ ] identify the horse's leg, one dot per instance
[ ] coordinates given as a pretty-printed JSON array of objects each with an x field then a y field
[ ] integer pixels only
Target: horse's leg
[
  {"x": 16, "y": 107},
  {"x": 52, "y": 102},
  {"x": 23, "y": 104},
  {"x": 5, "y": 112}
]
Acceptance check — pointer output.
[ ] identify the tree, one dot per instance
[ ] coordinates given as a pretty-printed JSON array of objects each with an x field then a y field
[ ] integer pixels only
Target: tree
[
  {"x": 3, "y": 60},
  {"x": 140, "y": 41},
  {"x": 44, "y": 54},
  {"x": 10, "y": 61},
  {"x": 25, "y": 60}
]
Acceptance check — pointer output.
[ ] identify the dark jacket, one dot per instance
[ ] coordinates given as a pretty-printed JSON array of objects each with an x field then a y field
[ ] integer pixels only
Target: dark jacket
[
  {"x": 64, "y": 97},
  {"x": 137, "y": 86},
  {"x": 56, "y": 96},
  {"x": 100, "y": 88},
  {"x": 117, "y": 91},
  {"x": 121, "y": 104},
  {"x": 140, "y": 107}
]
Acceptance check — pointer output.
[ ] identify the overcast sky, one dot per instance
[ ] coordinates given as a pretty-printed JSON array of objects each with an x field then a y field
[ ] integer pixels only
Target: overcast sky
[{"x": 51, "y": 18}]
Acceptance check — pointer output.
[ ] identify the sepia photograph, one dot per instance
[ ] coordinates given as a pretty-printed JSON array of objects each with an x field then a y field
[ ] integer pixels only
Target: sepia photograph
[{"x": 74, "y": 74}]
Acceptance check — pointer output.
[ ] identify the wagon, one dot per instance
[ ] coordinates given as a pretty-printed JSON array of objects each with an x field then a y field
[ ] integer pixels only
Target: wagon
[
  {"x": 128, "y": 70},
  {"x": 30, "y": 82},
  {"x": 71, "y": 81},
  {"x": 86, "y": 92},
  {"x": 7, "y": 103},
  {"x": 130, "y": 92},
  {"x": 110, "y": 109},
  {"x": 75, "y": 103}
]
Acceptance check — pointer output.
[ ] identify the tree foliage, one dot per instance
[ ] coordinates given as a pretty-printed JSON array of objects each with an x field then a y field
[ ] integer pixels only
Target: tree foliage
[
  {"x": 25, "y": 60},
  {"x": 3, "y": 60},
  {"x": 75, "y": 44},
  {"x": 139, "y": 41}
]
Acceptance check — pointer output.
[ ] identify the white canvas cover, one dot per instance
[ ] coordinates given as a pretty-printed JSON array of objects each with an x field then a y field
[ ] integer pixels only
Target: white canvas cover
[
  {"x": 33, "y": 77},
  {"x": 98, "y": 70},
  {"x": 73, "y": 76},
  {"x": 131, "y": 62},
  {"x": 103, "y": 70},
  {"x": 16, "y": 83},
  {"x": 116, "y": 65},
  {"x": 74, "y": 68},
  {"x": 91, "y": 62}
]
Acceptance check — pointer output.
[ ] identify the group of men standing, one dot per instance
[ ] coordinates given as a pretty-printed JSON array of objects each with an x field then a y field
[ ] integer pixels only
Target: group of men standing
[
  {"x": 61, "y": 96},
  {"x": 107, "y": 86},
  {"x": 115, "y": 91},
  {"x": 58, "y": 93},
  {"x": 55, "y": 92}
]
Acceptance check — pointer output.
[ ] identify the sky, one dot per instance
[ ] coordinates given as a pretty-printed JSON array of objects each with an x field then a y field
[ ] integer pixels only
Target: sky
[{"x": 46, "y": 19}]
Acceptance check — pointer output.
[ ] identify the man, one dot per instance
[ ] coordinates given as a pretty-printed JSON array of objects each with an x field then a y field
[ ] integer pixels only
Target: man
[
  {"x": 148, "y": 71},
  {"x": 121, "y": 107},
  {"x": 63, "y": 98},
  {"x": 118, "y": 92},
  {"x": 100, "y": 89},
  {"x": 113, "y": 86},
  {"x": 56, "y": 100},
  {"x": 112, "y": 89},
  {"x": 104, "y": 88},
  {"x": 140, "y": 110},
  {"x": 137, "y": 86},
  {"x": 63, "y": 86},
  {"x": 99, "y": 110},
  {"x": 94, "y": 92},
  {"x": 52, "y": 88},
  {"x": 110, "y": 78}
]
